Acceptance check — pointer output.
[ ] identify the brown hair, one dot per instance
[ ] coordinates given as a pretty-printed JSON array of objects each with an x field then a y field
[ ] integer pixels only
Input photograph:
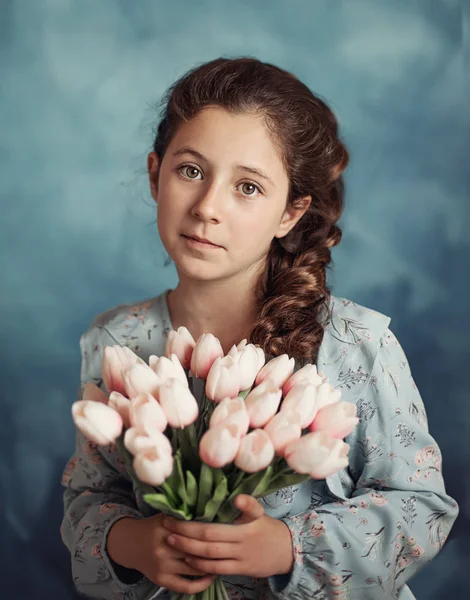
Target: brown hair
[{"x": 293, "y": 297}]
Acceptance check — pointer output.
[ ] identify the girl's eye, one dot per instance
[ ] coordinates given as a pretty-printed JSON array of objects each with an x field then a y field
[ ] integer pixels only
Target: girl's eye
[
  {"x": 189, "y": 171},
  {"x": 249, "y": 188}
]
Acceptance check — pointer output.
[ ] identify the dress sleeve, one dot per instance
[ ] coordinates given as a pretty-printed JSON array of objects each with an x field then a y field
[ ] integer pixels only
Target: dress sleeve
[
  {"x": 97, "y": 494},
  {"x": 398, "y": 516}
]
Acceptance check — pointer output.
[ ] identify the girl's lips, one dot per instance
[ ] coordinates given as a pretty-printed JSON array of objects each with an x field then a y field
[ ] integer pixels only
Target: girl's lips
[{"x": 193, "y": 243}]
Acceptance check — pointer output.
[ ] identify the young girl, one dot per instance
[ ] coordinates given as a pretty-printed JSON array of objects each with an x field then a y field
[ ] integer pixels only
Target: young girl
[{"x": 246, "y": 173}]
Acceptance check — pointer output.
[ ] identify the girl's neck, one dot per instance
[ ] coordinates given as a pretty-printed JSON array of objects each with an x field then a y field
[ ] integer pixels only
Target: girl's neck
[{"x": 227, "y": 311}]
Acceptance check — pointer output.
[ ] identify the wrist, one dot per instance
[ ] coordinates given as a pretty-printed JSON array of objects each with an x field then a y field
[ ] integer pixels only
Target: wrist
[
  {"x": 119, "y": 544},
  {"x": 287, "y": 555}
]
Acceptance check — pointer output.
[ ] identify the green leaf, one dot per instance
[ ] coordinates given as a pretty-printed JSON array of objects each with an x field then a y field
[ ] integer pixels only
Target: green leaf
[
  {"x": 161, "y": 503},
  {"x": 205, "y": 488},
  {"x": 191, "y": 489},
  {"x": 216, "y": 501}
]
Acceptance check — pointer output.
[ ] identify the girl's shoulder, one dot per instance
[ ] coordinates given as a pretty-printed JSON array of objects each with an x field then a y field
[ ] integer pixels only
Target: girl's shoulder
[{"x": 352, "y": 337}]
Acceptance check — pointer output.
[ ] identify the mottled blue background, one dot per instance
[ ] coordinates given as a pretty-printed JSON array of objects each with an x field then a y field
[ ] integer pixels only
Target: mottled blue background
[{"x": 79, "y": 83}]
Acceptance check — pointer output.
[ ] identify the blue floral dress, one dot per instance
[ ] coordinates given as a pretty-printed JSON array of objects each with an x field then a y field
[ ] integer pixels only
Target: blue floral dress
[{"x": 358, "y": 535}]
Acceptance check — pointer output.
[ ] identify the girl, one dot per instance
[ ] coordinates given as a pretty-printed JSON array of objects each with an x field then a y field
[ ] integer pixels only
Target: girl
[{"x": 246, "y": 172}]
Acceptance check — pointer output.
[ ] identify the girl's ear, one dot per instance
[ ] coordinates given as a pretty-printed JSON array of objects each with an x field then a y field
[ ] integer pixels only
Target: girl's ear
[
  {"x": 153, "y": 165},
  {"x": 292, "y": 215}
]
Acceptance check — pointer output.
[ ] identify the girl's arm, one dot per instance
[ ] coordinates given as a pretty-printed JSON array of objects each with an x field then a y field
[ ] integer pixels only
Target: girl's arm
[
  {"x": 98, "y": 494},
  {"x": 399, "y": 515}
]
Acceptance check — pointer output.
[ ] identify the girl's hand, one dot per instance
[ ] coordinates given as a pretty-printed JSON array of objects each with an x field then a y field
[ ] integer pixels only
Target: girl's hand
[
  {"x": 254, "y": 545},
  {"x": 141, "y": 544}
]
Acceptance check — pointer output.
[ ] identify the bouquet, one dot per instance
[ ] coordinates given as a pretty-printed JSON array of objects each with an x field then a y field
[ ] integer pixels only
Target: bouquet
[{"x": 258, "y": 426}]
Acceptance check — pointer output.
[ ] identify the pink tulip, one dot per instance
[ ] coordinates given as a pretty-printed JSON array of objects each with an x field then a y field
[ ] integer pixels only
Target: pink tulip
[
  {"x": 117, "y": 359},
  {"x": 283, "y": 429},
  {"x": 278, "y": 369},
  {"x": 207, "y": 349},
  {"x": 261, "y": 358},
  {"x": 121, "y": 404},
  {"x": 179, "y": 405},
  {"x": 168, "y": 367},
  {"x": 153, "y": 465},
  {"x": 98, "y": 422},
  {"x": 181, "y": 343},
  {"x": 302, "y": 399},
  {"x": 247, "y": 360},
  {"x": 262, "y": 403},
  {"x": 223, "y": 379},
  {"x": 137, "y": 439},
  {"x": 231, "y": 411},
  {"x": 145, "y": 410},
  {"x": 256, "y": 451},
  {"x": 307, "y": 374},
  {"x": 337, "y": 419},
  {"x": 317, "y": 454},
  {"x": 141, "y": 379},
  {"x": 219, "y": 445},
  {"x": 327, "y": 394},
  {"x": 93, "y": 392}
]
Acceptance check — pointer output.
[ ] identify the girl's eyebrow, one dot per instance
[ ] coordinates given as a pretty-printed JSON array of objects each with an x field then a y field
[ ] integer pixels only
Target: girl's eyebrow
[{"x": 198, "y": 155}]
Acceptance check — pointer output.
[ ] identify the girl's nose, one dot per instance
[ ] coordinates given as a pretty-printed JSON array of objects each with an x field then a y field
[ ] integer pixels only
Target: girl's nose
[{"x": 208, "y": 206}]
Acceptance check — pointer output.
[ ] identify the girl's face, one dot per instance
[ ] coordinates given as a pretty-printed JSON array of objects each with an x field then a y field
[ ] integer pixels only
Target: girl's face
[{"x": 221, "y": 179}]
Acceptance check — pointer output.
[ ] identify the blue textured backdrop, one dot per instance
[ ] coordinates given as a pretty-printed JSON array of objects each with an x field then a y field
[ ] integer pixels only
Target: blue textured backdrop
[{"x": 79, "y": 83}]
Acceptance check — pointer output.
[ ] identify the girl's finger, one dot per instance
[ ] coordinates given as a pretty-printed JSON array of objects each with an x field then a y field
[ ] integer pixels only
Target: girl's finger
[{"x": 180, "y": 567}]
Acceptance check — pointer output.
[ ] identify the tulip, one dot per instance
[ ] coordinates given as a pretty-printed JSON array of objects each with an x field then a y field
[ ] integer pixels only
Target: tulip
[
  {"x": 219, "y": 445},
  {"x": 179, "y": 405},
  {"x": 337, "y": 419},
  {"x": 327, "y": 394},
  {"x": 146, "y": 411},
  {"x": 317, "y": 454},
  {"x": 261, "y": 357},
  {"x": 141, "y": 379},
  {"x": 283, "y": 429},
  {"x": 137, "y": 439},
  {"x": 207, "y": 349},
  {"x": 181, "y": 343},
  {"x": 231, "y": 411},
  {"x": 262, "y": 403},
  {"x": 168, "y": 367},
  {"x": 117, "y": 359},
  {"x": 223, "y": 379},
  {"x": 121, "y": 404},
  {"x": 93, "y": 392},
  {"x": 279, "y": 369},
  {"x": 256, "y": 451},
  {"x": 98, "y": 422},
  {"x": 248, "y": 363},
  {"x": 302, "y": 399},
  {"x": 153, "y": 465},
  {"x": 307, "y": 374}
]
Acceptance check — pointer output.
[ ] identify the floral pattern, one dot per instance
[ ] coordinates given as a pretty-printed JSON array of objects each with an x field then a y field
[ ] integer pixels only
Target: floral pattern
[{"x": 360, "y": 534}]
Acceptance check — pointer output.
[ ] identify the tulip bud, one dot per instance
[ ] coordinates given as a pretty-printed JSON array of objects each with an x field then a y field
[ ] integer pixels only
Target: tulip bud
[
  {"x": 283, "y": 429},
  {"x": 262, "y": 403},
  {"x": 302, "y": 399},
  {"x": 219, "y": 445},
  {"x": 231, "y": 411},
  {"x": 141, "y": 379},
  {"x": 146, "y": 411},
  {"x": 181, "y": 343},
  {"x": 223, "y": 379},
  {"x": 256, "y": 451},
  {"x": 278, "y": 369},
  {"x": 121, "y": 404},
  {"x": 327, "y": 394},
  {"x": 167, "y": 368},
  {"x": 117, "y": 359},
  {"x": 179, "y": 405},
  {"x": 338, "y": 419},
  {"x": 248, "y": 363},
  {"x": 307, "y": 374},
  {"x": 207, "y": 349},
  {"x": 93, "y": 392},
  {"x": 98, "y": 422},
  {"x": 153, "y": 465},
  {"x": 317, "y": 454},
  {"x": 137, "y": 439}
]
